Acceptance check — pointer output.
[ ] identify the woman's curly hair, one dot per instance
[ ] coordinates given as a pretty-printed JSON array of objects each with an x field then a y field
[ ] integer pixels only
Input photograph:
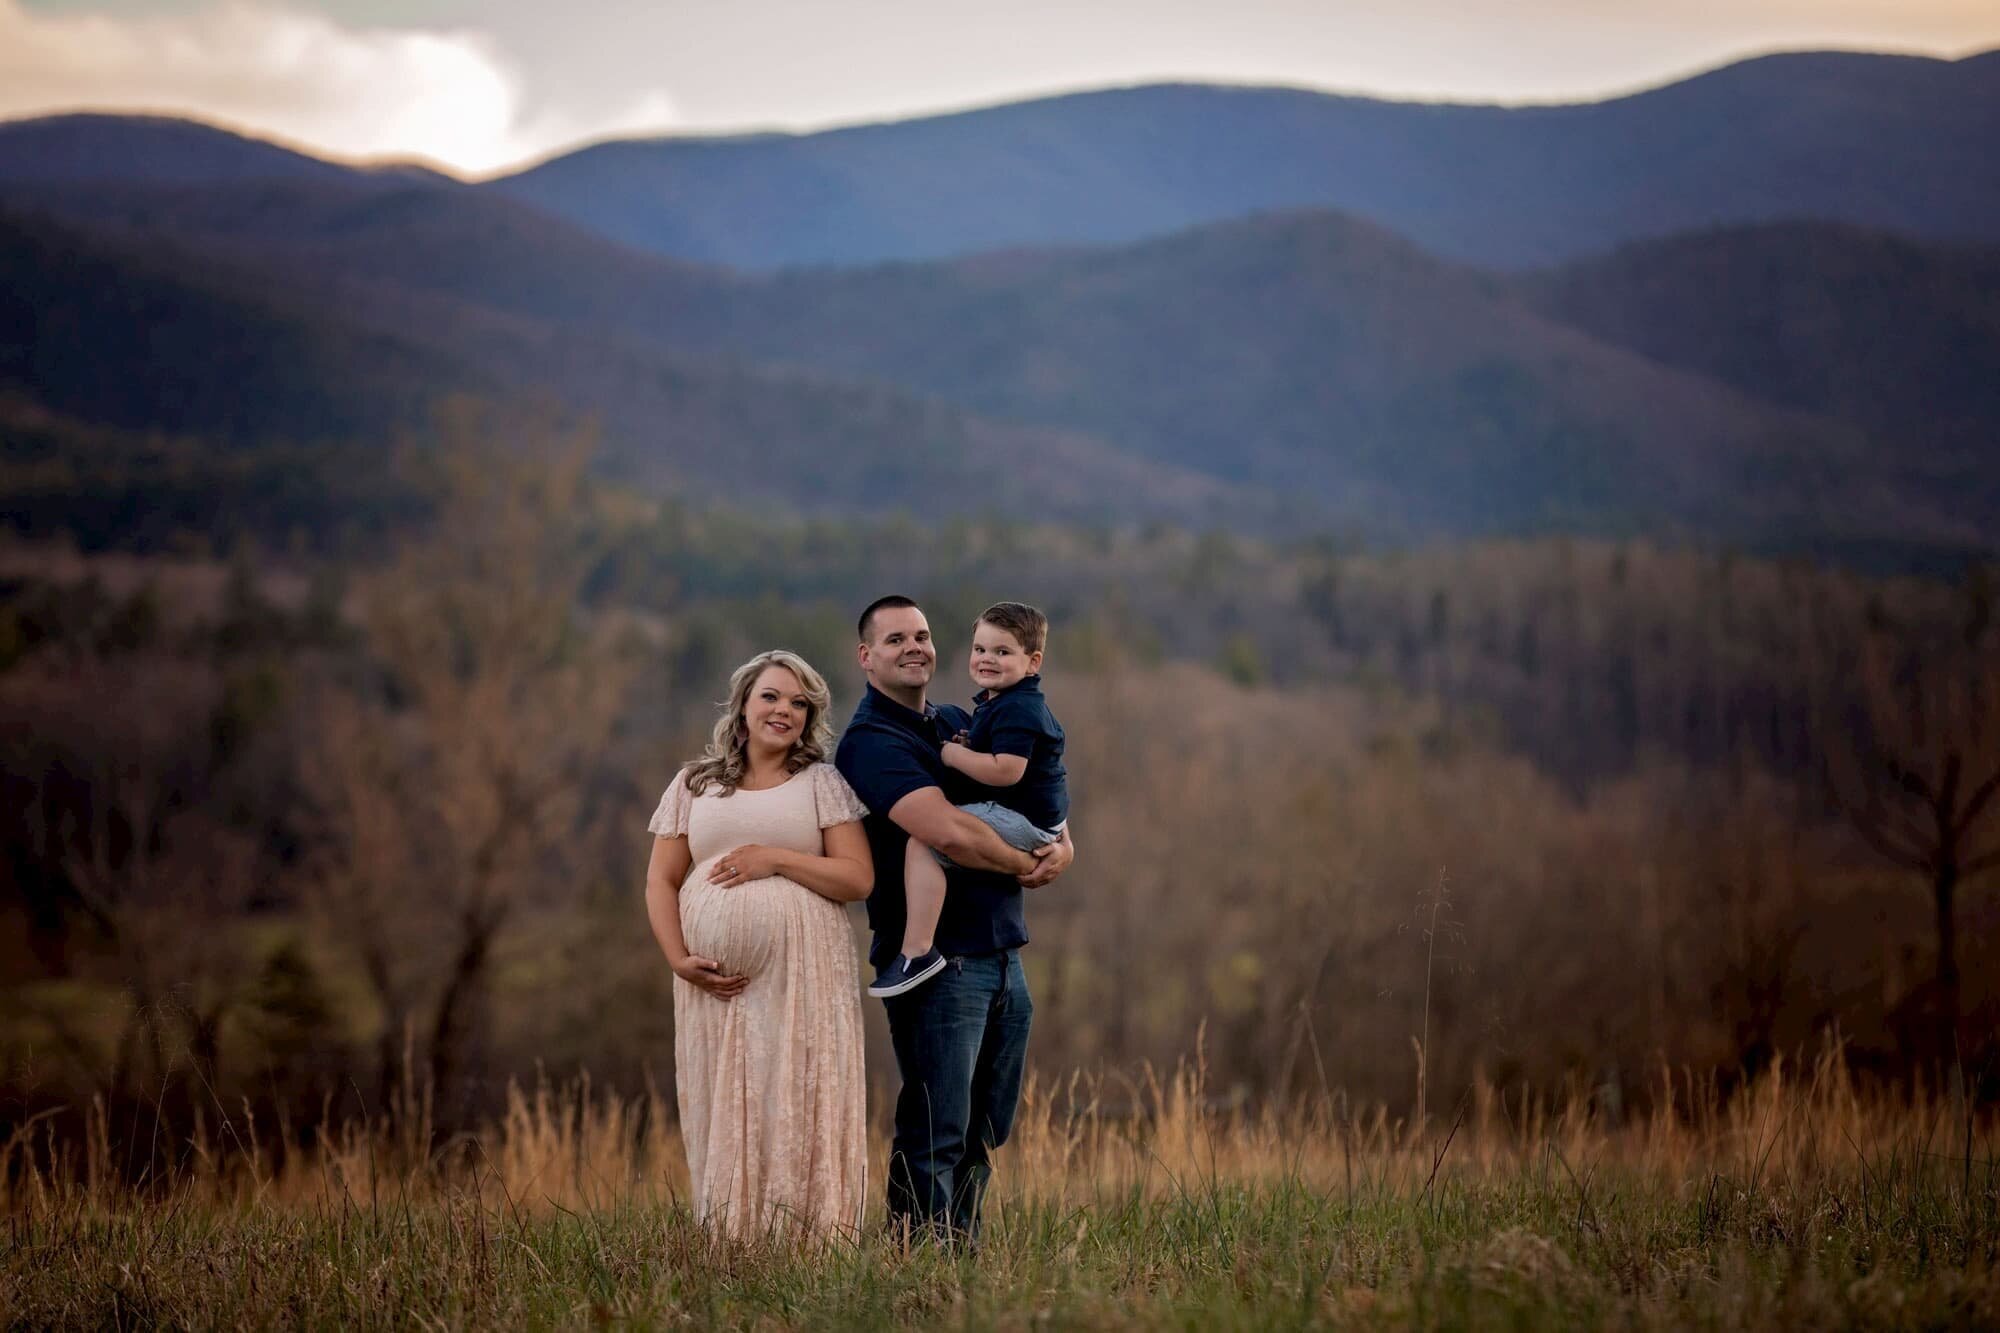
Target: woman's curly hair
[{"x": 722, "y": 764}]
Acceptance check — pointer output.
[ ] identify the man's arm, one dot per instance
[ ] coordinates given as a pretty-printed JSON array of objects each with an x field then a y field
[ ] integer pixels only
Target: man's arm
[{"x": 928, "y": 817}]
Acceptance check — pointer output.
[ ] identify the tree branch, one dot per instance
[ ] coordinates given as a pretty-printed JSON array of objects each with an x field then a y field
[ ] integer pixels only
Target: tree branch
[
  {"x": 1977, "y": 804},
  {"x": 1911, "y": 833},
  {"x": 1909, "y": 780},
  {"x": 1873, "y": 835}
]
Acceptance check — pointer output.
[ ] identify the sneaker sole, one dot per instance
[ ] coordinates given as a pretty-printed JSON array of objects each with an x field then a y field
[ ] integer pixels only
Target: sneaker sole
[{"x": 908, "y": 983}]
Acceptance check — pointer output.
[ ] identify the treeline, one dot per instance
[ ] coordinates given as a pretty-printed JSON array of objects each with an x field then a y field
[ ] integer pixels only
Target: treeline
[
  {"x": 1595, "y": 658},
  {"x": 318, "y": 838}
]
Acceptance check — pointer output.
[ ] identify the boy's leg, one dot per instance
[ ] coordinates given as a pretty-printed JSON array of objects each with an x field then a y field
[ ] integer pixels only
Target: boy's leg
[
  {"x": 923, "y": 895},
  {"x": 1013, "y": 827},
  {"x": 918, "y": 960}
]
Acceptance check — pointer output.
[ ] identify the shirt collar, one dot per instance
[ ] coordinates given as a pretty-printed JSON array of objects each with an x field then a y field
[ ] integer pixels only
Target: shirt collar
[
  {"x": 1029, "y": 684},
  {"x": 877, "y": 702}
]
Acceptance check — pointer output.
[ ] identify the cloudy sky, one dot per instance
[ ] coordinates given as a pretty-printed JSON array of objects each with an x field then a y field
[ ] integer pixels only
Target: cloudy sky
[{"x": 482, "y": 86}]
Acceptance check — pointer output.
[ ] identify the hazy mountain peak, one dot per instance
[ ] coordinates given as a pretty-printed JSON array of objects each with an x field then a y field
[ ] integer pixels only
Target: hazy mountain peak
[{"x": 90, "y": 146}]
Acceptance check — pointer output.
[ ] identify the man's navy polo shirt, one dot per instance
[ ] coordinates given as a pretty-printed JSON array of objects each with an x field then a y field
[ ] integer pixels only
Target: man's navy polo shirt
[
  {"x": 1016, "y": 720},
  {"x": 887, "y": 752}
]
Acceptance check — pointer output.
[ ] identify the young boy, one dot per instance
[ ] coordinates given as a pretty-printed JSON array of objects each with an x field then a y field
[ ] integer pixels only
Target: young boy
[{"x": 1014, "y": 746}]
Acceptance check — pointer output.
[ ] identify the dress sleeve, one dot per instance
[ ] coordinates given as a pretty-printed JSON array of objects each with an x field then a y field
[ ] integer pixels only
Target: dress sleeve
[
  {"x": 671, "y": 819},
  {"x": 833, "y": 798}
]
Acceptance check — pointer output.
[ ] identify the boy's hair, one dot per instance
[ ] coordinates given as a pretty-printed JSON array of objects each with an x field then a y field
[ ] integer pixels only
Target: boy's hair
[
  {"x": 867, "y": 621},
  {"x": 1022, "y": 621}
]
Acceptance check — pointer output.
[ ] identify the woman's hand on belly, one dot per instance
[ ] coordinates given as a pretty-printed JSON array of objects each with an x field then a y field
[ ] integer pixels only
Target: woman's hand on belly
[
  {"x": 740, "y": 866},
  {"x": 707, "y": 974}
]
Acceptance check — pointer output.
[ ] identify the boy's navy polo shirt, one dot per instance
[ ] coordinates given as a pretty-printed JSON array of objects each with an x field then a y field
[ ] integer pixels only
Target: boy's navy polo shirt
[
  {"x": 887, "y": 752},
  {"x": 1016, "y": 720}
]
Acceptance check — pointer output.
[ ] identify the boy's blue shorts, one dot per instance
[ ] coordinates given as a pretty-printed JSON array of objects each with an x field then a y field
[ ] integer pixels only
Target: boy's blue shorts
[{"x": 1012, "y": 826}]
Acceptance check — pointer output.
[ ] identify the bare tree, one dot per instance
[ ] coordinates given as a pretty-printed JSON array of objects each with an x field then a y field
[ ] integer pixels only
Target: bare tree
[
  {"x": 1916, "y": 769},
  {"x": 119, "y": 760},
  {"x": 454, "y": 783}
]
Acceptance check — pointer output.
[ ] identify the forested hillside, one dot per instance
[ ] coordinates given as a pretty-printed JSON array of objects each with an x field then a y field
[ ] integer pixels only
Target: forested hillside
[{"x": 1303, "y": 370}]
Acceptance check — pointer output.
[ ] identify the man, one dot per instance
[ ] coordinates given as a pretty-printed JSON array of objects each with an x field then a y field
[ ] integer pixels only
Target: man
[{"x": 961, "y": 1039}]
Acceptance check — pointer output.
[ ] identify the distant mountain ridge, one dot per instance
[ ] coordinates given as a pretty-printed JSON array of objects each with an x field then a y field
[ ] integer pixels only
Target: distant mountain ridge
[
  {"x": 1874, "y": 327},
  {"x": 163, "y": 341},
  {"x": 139, "y": 333},
  {"x": 1894, "y": 142},
  {"x": 1324, "y": 357},
  {"x": 1310, "y": 355},
  {"x": 85, "y": 147},
  {"x": 1899, "y": 143}
]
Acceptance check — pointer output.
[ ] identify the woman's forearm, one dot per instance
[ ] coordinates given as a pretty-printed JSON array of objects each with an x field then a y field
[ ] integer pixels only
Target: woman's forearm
[
  {"x": 663, "y": 910},
  {"x": 666, "y": 868},
  {"x": 841, "y": 878}
]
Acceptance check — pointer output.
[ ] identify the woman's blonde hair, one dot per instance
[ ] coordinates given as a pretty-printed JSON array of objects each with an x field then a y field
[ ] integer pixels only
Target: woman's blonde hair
[{"x": 728, "y": 748}]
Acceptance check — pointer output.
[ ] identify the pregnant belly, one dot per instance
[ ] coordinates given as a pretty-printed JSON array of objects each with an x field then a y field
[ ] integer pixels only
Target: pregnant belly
[{"x": 744, "y": 928}]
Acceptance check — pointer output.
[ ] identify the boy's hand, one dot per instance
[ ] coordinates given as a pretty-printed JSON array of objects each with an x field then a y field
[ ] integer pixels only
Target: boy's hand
[{"x": 954, "y": 752}]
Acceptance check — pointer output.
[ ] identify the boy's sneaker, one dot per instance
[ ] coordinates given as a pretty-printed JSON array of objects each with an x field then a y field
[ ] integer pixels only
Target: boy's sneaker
[{"x": 906, "y": 974}]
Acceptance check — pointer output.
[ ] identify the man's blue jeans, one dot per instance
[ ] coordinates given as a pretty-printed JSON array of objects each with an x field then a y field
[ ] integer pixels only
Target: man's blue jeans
[{"x": 961, "y": 1045}]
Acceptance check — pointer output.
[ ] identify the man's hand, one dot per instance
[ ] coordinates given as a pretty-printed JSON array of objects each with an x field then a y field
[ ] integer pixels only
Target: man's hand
[{"x": 1051, "y": 860}]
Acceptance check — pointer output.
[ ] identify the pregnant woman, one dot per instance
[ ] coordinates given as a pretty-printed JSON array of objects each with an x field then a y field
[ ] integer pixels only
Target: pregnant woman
[{"x": 758, "y": 845}]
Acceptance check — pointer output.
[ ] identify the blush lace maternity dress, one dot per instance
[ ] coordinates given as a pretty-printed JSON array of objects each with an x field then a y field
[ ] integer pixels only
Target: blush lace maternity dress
[{"x": 769, "y": 1083}]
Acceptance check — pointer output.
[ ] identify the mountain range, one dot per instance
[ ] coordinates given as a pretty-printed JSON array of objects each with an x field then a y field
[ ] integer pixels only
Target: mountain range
[
  {"x": 1897, "y": 143},
  {"x": 1828, "y": 379},
  {"x": 1894, "y": 142}
]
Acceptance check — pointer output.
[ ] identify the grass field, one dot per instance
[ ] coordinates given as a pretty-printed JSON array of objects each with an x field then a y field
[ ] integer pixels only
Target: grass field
[{"x": 1802, "y": 1202}]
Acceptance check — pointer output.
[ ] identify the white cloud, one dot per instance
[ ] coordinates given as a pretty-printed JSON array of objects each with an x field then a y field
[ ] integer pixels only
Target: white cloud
[{"x": 450, "y": 96}]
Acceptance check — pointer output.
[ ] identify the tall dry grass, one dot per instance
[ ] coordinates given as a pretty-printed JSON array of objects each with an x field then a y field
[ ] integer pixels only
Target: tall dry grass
[
  {"x": 1804, "y": 1200},
  {"x": 1078, "y": 1140}
]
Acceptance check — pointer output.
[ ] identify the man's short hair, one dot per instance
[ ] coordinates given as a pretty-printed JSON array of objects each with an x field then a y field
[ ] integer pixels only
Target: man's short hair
[
  {"x": 1024, "y": 622},
  {"x": 867, "y": 621}
]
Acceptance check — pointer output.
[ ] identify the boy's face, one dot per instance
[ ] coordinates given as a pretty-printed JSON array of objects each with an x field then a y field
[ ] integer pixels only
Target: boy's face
[{"x": 997, "y": 658}]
